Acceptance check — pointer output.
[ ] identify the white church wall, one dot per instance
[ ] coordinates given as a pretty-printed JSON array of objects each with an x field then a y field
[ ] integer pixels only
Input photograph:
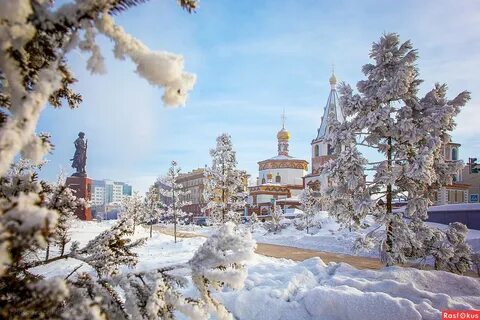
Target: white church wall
[{"x": 287, "y": 175}]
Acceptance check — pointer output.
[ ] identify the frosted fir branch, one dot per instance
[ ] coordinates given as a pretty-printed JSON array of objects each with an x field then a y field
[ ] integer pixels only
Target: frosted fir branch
[
  {"x": 159, "y": 68},
  {"x": 18, "y": 131}
]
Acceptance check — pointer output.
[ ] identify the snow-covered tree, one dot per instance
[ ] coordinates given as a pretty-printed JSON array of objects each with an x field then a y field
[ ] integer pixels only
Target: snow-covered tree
[
  {"x": 311, "y": 207},
  {"x": 174, "y": 194},
  {"x": 153, "y": 209},
  {"x": 409, "y": 134},
  {"x": 219, "y": 262},
  {"x": 276, "y": 214},
  {"x": 63, "y": 200},
  {"x": 253, "y": 221},
  {"x": 133, "y": 207},
  {"x": 476, "y": 262},
  {"x": 225, "y": 189}
]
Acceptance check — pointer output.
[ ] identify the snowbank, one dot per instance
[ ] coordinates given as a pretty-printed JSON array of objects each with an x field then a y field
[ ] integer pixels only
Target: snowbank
[{"x": 282, "y": 289}]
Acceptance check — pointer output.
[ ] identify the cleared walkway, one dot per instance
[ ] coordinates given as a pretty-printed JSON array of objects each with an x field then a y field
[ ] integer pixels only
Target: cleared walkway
[
  {"x": 296, "y": 254},
  {"x": 299, "y": 254}
]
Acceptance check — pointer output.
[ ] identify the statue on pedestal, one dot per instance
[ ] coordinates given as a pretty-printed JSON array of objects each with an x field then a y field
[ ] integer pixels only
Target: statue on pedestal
[{"x": 80, "y": 156}]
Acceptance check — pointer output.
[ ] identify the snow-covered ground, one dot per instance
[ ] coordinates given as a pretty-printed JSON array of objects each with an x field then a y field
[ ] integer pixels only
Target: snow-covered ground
[
  {"x": 283, "y": 289},
  {"x": 330, "y": 237}
]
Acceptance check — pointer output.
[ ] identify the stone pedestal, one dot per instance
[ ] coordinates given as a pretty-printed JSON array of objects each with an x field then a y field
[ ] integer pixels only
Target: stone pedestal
[{"x": 83, "y": 188}]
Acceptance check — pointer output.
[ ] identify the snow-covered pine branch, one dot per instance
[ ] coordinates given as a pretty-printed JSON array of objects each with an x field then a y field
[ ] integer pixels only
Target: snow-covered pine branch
[
  {"x": 173, "y": 196},
  {"x": 225, "y": 189},
  {"x": 110, "y": 249},
  {"x": 34, "y": 68},
  {"x": 220, "y": 262},
  {"x": 410, "y": 132}
]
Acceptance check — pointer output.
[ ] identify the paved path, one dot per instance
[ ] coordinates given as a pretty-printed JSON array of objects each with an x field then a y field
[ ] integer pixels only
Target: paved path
[
  {"x": 296, "y": 254},
  {"x": 299, "y": 254}
]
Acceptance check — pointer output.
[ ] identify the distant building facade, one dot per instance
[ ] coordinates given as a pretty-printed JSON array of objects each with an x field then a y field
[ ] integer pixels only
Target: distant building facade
[
  {"x": 473, "y": 180},
  {"x": 322, "y": 152},
  {"x": 105, "y": 192},
  {"x": 194, "y": 182},
  {"x": 280, "y": 179},
  {"x": 457, "y": 192}
]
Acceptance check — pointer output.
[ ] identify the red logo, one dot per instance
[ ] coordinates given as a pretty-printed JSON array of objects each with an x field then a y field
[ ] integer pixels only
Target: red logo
[{"x": 460, "y": 314}]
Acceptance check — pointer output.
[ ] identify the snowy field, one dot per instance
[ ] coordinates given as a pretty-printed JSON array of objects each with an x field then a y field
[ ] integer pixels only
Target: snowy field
[
  {"x": 329, "y": 238},
  {"x": 283, "y": 289}
]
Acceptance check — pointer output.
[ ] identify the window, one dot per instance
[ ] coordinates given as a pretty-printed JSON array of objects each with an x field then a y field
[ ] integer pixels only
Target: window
[
  {"x": 454, "y": 154},
  {"x": 263, "y": 180},
  {"x": 278, "y": 179},
  {"x": 317, "y": 151},
  {"x": 330, "y": 150}
]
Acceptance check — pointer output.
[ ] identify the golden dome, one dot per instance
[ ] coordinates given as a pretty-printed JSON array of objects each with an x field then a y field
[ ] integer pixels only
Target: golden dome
[
  {"x": 333, "y": 80},
  {"x": 269, "y": 176},
  {"x": 283, "y": 134}
]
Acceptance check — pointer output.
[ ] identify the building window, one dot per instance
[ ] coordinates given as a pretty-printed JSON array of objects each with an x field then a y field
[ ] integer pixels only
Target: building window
[
  {"x": 330, "y": 149},
  {"x": 454, "y": 154},
  {"x": 278, "y": 179},
  {"x": 263, "y": 180},
  {"x": 317, "y": 151}
]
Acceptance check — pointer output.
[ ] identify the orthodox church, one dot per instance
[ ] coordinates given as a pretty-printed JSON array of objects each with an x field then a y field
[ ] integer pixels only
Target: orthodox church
[
  {"x": 322, "y": 152},
  {"x": 280, "y": 178}
]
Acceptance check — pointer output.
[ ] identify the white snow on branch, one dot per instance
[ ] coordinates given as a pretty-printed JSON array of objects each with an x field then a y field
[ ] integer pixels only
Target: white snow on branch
[
  {"x": 159, "y": 68},
  {"x": 19, "y": 131}
]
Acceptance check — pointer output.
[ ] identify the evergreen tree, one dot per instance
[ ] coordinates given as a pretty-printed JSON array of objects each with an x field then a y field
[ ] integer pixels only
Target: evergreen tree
[
  {"x": 253, "y": 221},
  {"x": 173, "y": 193},
  {"x": 276, "y": 214},
  {"x": 409, "y": 132},
  {"x": 153, "y": 209},
  {"x": 133, "y": 207},
  {"x": 311, "y": 206},
  {"x": 63, "y": 200},
  {"x": 225, "y": 189}
]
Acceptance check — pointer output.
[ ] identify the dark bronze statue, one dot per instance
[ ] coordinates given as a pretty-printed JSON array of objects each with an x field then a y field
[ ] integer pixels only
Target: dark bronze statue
[{"x": 80, "y": 156}]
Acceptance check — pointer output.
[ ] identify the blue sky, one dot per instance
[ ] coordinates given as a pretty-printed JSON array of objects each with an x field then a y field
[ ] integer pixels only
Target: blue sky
[{"x": 252, "y": 59}]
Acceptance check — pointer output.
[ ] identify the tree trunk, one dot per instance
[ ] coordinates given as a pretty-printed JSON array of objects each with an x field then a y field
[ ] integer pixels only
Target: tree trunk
[
  {"x": 151, "y": 226},
  {"x": 134, "y": 220},
  {"x": 389, "y": 240},
  {"x": 62, "y": 247},
  {"x": 174, "y": 217},
  {"x": 223, "y": 191},
  {"x": 47, "y": 253}
]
